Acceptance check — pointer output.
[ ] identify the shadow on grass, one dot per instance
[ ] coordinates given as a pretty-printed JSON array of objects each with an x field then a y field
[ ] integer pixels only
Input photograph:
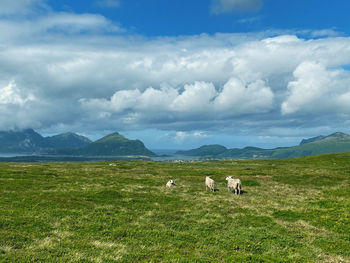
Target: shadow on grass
[{"x": 242, "y": 192}]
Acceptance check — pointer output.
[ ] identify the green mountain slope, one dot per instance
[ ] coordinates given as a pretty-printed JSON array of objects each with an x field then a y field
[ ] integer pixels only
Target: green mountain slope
[
  {"x": 67, "y": 140},
  {"x": 334, "y": 143},
  {"x": 305, "y": 141},
  {"x": 205, "y": 150},
  {"x": 21, "y": 141},
  {"x": 29, "y": 141},
  {"x": 115, "y": 145}
]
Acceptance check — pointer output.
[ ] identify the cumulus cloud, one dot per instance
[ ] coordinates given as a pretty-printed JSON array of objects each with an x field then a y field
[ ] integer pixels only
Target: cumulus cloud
[
  {"x": 317, "y": 89},
  {"x": 11, "y": 95},
  {"x": 76, "y": 72},
  {"x": 14, "y": 104},
  {"x": 200, "y": 100},
  {"x": 181, "y": 136},
  {"x": 227, "y": 6},
  {"x": 238, "y": 97}
]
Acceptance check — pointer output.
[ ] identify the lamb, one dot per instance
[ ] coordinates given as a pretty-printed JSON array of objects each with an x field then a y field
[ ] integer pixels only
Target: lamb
[
  {"x": 209, "y": 183},
  {"x": 234, "y": 184},
  {"x": 170, "y": 183}
]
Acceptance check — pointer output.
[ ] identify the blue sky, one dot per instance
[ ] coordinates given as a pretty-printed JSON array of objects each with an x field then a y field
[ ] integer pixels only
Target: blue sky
[
  {"x": 177, "y": 74},
  {"x": 190, "y": 17}
]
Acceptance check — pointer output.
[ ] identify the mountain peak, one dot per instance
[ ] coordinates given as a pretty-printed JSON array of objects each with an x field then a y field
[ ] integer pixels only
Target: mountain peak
[
  {"x": 67, "y": 140},
  {"x": 338, "y": 135},
  {"x": 116, "y": 144},
  {"x": 113, "y": 137},
  {"x": 313, "y": 139}
]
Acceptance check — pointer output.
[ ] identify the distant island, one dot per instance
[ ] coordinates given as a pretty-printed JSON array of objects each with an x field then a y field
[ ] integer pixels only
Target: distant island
[
  {"x": 70, "y": 144},
  {"x": 334, "y": 143}
]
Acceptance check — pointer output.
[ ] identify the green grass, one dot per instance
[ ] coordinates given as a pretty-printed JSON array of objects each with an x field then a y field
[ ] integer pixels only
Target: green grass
[{"x": 293, "y": 210}]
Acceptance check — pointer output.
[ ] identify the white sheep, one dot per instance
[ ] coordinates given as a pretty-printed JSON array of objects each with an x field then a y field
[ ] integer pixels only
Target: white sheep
[
  {"x": 234, "y": 184},
  {"x": 170, "y": 183},
  {"x": 209, "y": 183}
]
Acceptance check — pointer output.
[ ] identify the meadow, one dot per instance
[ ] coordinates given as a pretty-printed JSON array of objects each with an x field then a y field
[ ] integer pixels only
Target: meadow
[{"x": 292, "y": 210}]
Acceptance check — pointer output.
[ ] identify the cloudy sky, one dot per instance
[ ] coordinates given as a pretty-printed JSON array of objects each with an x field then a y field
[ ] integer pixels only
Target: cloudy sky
[{"x": 177, "y": 73}]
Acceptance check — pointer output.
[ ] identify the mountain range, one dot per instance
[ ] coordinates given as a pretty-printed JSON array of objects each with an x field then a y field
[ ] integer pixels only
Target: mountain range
[
  {"x": 336, "y": 142},
  {"x": 70, "y": 144},
  {"x": 29, "y": 141}
]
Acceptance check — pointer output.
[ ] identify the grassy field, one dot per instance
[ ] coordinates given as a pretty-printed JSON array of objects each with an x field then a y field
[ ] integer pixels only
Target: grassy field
[{"x": 295, "y": 210}]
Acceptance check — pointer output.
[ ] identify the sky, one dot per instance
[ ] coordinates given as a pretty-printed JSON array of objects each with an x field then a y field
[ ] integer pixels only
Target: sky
[{"x": 177, "y": 74}]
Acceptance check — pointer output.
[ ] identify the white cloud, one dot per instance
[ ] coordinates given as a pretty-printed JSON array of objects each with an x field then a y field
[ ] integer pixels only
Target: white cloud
[
  {"x": 55, "y": 26},
  {"x": 89, "y": 79},
  {"x": 317, "y": 89},
  {"x": 21, "y": 7},
  {"x": 195, "y": 98},
  {"x": 227, "y": 6},
  {"x": 14, "y": 107},
  {"x": 328, "y": 32},
  {"x": 11, "y": 95},
  {"x": 199, "y": 99},
  {"x": 238, "y": 97},
  {"x": 182, "y": 136}
]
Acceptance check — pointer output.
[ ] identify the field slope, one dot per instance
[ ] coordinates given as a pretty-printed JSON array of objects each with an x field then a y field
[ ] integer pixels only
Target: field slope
[{"x": 292, "y": 210}]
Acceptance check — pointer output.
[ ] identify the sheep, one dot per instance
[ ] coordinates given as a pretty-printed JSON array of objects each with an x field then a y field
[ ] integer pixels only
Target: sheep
[
  {"x": 170, "y": 183},
  {"x": 209, "y": 183},
  {"x": 234, "y": 184}
]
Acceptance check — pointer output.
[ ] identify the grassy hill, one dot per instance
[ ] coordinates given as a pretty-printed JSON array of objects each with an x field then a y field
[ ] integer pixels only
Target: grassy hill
[
  {"x": 336, "y": 142},
  {"x": 115, "y": 145},
  {"x": 205, "y": 150},
  {"x": 292, "y": 210},
  {"x": 67, "y": 140}
]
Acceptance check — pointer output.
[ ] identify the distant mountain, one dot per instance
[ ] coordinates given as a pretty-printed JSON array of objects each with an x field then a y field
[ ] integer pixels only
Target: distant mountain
[
  {"x": 205, "y": 150},
  {"x": 67, "y": 140},
  {"x": 21, "y": 141},
  {"x": 115, "y": 145},
  {"x": 247, "y": 153},
  {"x": 305, "y": 141},
  {"x": 336, "y": 142},
  {"x": 29, "y": 141}
]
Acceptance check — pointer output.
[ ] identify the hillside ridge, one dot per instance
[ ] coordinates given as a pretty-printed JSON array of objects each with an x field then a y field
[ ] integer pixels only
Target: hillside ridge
[
  {"x": 333, "y": 143},
  {"x": 69, "y": 143}
]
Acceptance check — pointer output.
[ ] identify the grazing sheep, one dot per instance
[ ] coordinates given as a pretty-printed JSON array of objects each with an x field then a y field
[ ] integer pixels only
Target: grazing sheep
[
  {"x": 234, "y": 184},
  {"x": 209, "y": 183},
  {"x": 170, "y": 183}
]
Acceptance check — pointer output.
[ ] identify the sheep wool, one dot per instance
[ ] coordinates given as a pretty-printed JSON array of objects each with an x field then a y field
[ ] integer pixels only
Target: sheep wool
[
  {"x": 209, "y": 183},
  {"x": 170, "y": 183},
  {"x": 234, "y": 185}
]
